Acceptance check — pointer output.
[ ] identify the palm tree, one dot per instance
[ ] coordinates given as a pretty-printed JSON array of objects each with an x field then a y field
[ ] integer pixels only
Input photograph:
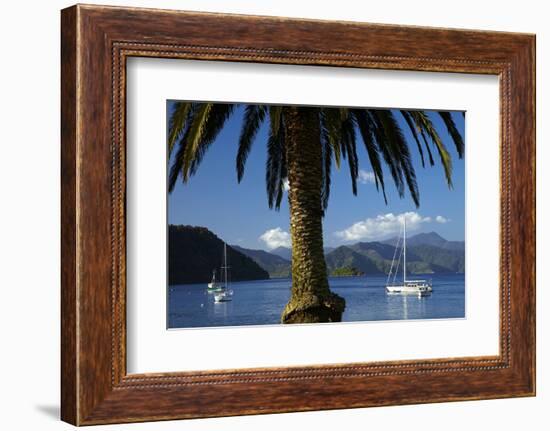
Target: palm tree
[{"x": 302, "y": 144}]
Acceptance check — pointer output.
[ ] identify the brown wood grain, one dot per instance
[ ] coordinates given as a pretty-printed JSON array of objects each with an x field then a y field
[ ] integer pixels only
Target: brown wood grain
[
  {"x": 96, "y": 41},
  {"x": 68, "y": 217}
]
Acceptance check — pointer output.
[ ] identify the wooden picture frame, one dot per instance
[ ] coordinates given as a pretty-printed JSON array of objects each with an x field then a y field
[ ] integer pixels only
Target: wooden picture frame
[{"x": 95, "y": 43}]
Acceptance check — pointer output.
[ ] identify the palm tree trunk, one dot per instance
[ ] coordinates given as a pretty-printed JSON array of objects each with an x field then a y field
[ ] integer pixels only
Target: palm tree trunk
[{"x": 311, "y": 299}]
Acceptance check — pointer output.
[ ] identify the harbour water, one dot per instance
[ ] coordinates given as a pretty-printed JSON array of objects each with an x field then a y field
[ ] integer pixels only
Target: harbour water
[{"x": 261, "y": 302}]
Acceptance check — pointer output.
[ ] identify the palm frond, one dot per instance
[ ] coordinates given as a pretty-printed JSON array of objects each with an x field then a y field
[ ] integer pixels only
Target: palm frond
[
  {"x": 338, "y": 140},
  {"x": 276, "y": 168},
  {"x": 197, "y": 128},
  {"x": 427, "y": 146},
  {"x": 349, "y": 142},
  {"x": 177, "y": 163},
  {"x": 399, "y": 151},
  {"x": 362, "y": 121},
  {"x": 282, "y": 177},
  {"x": 205, "y": 122},
  {"x": 327, "y": 168},
  {"x": 453, "y": 131},
  {"x": 275, "y": 119},
  {"x": 344, "y": 113},
  {"x": 414, "y": 132},
  {"x": 193, "y": 127},
  {"x": 424, "y": 123},
  {"x": 387, "y": 149},
  {"x": 254, "y": 116},
  {"x": 177, "y": 123},
  {"x": 219, "y": 114},
  {"x": 331, "y": 124}
]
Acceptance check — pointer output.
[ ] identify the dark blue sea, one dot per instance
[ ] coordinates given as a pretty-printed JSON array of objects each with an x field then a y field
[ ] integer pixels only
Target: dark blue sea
[{"x": 261, "y": 302}]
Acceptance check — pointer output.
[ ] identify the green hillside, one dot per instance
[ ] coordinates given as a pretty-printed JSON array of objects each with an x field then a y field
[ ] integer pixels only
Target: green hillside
[
  {"x": 195, "y": 251},
  {"x": 275, "y": 265},
  {"x": 345, "y": 257},
  {"x": 376, "y": 257}
]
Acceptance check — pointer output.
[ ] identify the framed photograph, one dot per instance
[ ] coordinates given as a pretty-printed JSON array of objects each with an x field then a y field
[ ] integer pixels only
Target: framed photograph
[{"x": 266, "y": 215}]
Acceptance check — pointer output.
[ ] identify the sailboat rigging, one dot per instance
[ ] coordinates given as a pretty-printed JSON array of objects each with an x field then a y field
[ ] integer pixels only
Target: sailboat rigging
[
  {"x": 406, "y": 287},
  {"x": 224, "y": 294}
]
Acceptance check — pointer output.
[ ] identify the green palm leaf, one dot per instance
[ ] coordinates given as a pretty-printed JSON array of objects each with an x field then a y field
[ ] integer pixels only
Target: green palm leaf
[
  {"x": 427, "y": 146},
  {"x": 331, "y": 123},
  {"x": 453, "y": 131},
  {"x": 424, "y": 123},
  {"x": 205, "y": 122},
  {"x": 327, "y": 168},
  {"x": 254, "y": 116},
  {"x": 177, "y": 163},
  {"x": 387, "y": 149},
  {"x": 348, "y": 142},
  {"x": 406, "y": 115},
  {"x": 197, "y": 128},
  {"x": 276, "y": 170},
  {"x": 177, "y": 123},
  {"x": 399, "y": 151},
  {"x": 219, "y": 114},
  {"x": 364, "y": 124},
  {"x": 275, "y": 119},
  {"x": 193, "y": 127}
]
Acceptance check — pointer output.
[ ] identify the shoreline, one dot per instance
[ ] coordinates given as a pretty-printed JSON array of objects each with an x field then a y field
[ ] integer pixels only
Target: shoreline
[{"x": 275, "y": 279}]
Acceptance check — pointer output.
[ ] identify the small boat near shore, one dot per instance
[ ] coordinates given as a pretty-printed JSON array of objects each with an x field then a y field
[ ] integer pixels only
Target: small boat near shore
[
  {"x": 224, "y": 296},
  {"x": 406, "y": 287},
  {"x": 222, "y": 292},
  {"x": 214, "y": 286}
]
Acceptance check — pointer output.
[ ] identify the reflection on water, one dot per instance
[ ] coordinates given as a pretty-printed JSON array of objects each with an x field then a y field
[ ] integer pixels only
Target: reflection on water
[
  {"x": 261, "y": 302},
  {"x": 398, "y": 307},
  {"x": 405, "y": 310}
]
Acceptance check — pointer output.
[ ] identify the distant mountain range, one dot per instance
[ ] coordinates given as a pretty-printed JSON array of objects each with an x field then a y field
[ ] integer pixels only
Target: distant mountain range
[
  {"x": 432, "y": 239},
  {"x": 284, "y": 252},
  {"x": 274, "y": 264},
  {"x": 427, "y": 253},
  {"x": 193, "y": 252}
]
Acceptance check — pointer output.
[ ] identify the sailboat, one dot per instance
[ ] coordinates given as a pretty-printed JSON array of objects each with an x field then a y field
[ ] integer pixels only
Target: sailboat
[
  {"x": 214, "y": 286},
  {"x": 406, "y": 287},
  {"x": 224, "y": 294}
]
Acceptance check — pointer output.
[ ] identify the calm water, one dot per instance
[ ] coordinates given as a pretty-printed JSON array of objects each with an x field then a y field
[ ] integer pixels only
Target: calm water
[{"x": 261, "y": 302}]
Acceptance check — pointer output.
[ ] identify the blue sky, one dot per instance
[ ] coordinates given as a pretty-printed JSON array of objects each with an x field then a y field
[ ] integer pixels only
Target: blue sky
[{"x": 239, "y": 213}]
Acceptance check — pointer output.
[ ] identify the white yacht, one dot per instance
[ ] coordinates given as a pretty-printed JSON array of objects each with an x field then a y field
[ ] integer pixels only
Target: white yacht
[
  {"x": 405, "y": 287},
  {"x": 224, "y": 293},
  {"x": 214, "y": 286}
]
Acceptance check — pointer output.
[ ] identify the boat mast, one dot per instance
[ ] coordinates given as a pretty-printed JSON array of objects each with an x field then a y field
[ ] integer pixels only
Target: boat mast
[
  {"x": 404, "y": 249},
  {"x": 225, "y": 262}
]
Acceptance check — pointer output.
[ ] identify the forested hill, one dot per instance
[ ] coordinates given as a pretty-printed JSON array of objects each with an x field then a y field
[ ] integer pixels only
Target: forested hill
[
  {"x": 376, "y": 257},
  {"x": 426, "y": 254},
  {"x": 193, "y": 252},
  {"x": 275, "y": 265}
]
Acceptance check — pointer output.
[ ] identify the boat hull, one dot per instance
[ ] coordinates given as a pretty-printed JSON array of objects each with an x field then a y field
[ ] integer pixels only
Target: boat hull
[
  {"x": 224, "y": 296},
  {"x": 423, "y": 290},
  {"x": 214, "y": 289},
  {"x": 217, "y": 301}
]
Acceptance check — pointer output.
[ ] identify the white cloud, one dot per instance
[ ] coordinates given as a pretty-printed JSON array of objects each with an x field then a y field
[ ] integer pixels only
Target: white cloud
[
  {"x": 286, "y": 185},
  {"x": 441, "y": 219},
  {"x": 275, "y": 237},
  {"x": 381, "y": 226},
  {"x": 366, "y": 177}
]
